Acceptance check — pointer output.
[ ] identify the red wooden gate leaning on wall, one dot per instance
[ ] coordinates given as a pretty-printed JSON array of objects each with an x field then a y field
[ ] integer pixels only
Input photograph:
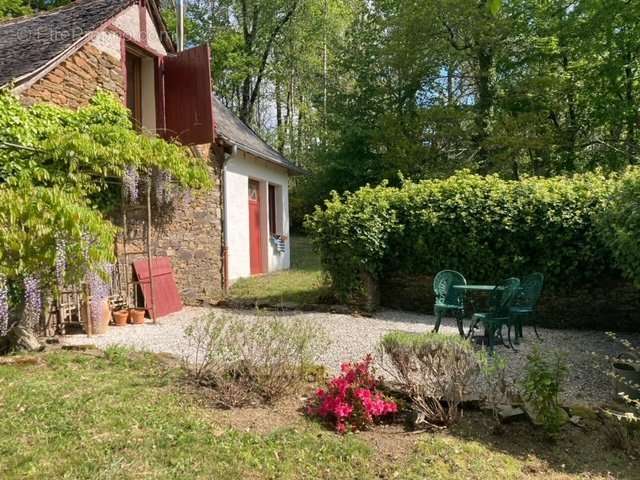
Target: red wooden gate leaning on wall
[{"x": 255, "y": 238}]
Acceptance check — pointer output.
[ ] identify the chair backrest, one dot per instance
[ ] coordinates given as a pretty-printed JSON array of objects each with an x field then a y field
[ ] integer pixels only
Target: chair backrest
[
  {"x": 443, "y": 288},
  {"x": 529, "y": 291},
  {"x": 502, "y": 297}
]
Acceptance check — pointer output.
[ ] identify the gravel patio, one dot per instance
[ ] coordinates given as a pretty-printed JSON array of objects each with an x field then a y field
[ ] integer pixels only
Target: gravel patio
[{"x": 352, "y": 337}]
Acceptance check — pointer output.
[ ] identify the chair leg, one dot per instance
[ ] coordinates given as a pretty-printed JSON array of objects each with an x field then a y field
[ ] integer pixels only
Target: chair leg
[
  {"x": 459, "y": 317},
  {"x": 509, "y": 337},
  {"x": 517, "y": 328},
  {"x": 490, "y": 340},
  {"x": 436, "y": 327},
  {"x": 535, "y": 326},
  {"x": 499, "y": 334},
  {"x": 472, "y": 327}
]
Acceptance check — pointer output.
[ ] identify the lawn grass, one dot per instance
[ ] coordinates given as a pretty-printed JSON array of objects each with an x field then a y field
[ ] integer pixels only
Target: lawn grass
[
  {"x": 303, "y": 284},
  {"x": 127, "y": 416}
]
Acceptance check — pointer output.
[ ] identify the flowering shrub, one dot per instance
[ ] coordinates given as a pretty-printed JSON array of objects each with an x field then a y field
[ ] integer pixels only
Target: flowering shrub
[{"x": 351, "y": 399}]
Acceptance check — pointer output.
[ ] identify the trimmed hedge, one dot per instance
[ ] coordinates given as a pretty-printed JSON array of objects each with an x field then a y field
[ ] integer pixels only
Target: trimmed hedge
[
  {"x": 621, "y": 225},
  {"x": 486, "y": 227}
]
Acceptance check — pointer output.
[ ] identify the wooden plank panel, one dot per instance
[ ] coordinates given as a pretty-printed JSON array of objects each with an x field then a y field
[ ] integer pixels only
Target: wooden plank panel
[
  {"x": 167, "y": 297},
  {"x": 188, "y": 106}
]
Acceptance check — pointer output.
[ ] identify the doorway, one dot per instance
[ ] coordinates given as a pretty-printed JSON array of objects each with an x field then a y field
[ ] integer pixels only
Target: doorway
[{"x": 255, "y": 237}]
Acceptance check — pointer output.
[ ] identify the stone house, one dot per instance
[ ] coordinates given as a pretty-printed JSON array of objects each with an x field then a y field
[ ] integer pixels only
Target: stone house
[{"x": 239, "y": 228}]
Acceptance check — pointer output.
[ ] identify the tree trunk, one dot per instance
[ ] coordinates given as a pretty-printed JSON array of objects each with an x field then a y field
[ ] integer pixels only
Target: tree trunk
[
  {"x": 449, "y": 86},
  {"x": 279, "y": 119},
  {"x": 20, "y": 339},
  {"x": 572, "y": 129},
  {"x": 632, "y": 112},
  {"x": 20, "y": 336},
  {"x": 484, "y": 107}
]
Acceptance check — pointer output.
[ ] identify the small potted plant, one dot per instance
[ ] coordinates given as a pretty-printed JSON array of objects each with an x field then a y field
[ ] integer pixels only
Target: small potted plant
[
  {"x": 120, "y": 317},
  {"x": 137, "y": 315}
]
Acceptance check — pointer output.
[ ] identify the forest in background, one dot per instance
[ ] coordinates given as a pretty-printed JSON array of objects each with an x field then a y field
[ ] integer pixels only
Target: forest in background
[{"x": 361, "y": 91}]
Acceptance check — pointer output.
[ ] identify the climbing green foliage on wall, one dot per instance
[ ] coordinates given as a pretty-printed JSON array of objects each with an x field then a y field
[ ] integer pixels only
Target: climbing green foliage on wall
[{"x": 58, "y": 172}]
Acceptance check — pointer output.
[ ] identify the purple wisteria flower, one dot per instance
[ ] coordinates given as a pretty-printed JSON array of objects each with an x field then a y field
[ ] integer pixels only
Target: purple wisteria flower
[
  {"x": 32, "y": 300},
  {"x": 100, "y": 289},
  {"x": 4, "y": 306},
  {"x": 163, "y": 189},
  {"x": 130, "y": 183},
  {"x": 61, "y": 260}
]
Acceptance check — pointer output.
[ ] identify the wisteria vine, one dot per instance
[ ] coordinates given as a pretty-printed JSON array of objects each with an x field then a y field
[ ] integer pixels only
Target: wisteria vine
[
  {"x": 4, "y": 306},
  {"x": 32, "y": 300},
  {"x": 131, "y": 182},
  {"x": 163, "y": 190},
  {"x": 61, "y": 261},
  {"x": 100, "y": 290}
]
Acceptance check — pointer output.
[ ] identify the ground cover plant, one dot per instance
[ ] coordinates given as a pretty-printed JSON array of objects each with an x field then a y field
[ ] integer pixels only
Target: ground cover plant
[
  {"x": 245, "y": 362},
  {"x": 624, "y": 429},
  {"x": 127, "y": 415}
]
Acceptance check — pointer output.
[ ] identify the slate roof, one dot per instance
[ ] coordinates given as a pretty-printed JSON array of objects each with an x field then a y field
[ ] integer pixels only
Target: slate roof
[
  {"x": 235, "y": 131},
  {"x": 30, "y": 43}
]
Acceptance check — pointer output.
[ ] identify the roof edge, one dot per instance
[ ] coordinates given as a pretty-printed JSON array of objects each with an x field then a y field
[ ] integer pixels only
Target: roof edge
[
  {"x": 290, "y": 167},
  {"x": 26, "y": 80}
]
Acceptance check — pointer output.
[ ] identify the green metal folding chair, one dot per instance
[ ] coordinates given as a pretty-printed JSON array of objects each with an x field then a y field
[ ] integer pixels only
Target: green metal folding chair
[
  {"x": 449, "y": 300},
  {"x": 525, "y": 304},
  {"x": 498, "y": 314}
]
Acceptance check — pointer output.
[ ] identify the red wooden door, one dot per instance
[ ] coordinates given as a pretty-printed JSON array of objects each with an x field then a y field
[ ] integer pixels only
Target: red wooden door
[{"x": 255, "y": 239}]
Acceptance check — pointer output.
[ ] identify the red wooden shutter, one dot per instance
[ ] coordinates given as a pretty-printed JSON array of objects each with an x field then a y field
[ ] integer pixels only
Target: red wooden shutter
[{"x": 187, "y": 87}]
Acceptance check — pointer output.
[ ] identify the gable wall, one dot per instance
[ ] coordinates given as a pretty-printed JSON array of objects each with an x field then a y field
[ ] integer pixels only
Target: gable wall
[
  {"x": 190, "y": 233},
  {"x": 73, "y": 82}
]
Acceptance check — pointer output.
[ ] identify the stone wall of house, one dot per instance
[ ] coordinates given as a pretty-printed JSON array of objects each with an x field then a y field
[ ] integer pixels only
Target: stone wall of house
[
  {"x": 75, "y": 81},
  {"x": 188, "y": 232}
]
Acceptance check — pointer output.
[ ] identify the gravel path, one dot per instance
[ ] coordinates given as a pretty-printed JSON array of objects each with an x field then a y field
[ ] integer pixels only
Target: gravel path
[{"x": 353, "y": 337}]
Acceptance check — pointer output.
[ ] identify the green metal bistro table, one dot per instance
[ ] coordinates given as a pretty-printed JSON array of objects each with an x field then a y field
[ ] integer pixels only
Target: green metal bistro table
[{"x": 477, "y": 288}]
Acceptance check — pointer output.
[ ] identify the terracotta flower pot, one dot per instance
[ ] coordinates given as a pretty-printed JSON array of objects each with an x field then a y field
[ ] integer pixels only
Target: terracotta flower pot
[
  {"x": 137, "y": 316},
  {"x": 99, "y": 322},
  {"x": 120, "y": 318}
]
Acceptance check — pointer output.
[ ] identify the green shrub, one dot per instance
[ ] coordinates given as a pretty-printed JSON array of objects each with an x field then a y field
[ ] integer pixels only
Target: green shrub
[
  {"x": 545, "y": 373},
  {"x": 245, "y": 361},
  {"x": 352, "y": 234},
  {"x": 433, "y": 370},
  {"x": 486, "y": 227},
  {"x": 621, "y": 225}
]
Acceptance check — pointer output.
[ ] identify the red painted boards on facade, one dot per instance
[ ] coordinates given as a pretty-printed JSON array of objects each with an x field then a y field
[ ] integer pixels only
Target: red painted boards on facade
[
  {"x": 165, "y": 291},
  {"x": 188, "y": 109}
]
